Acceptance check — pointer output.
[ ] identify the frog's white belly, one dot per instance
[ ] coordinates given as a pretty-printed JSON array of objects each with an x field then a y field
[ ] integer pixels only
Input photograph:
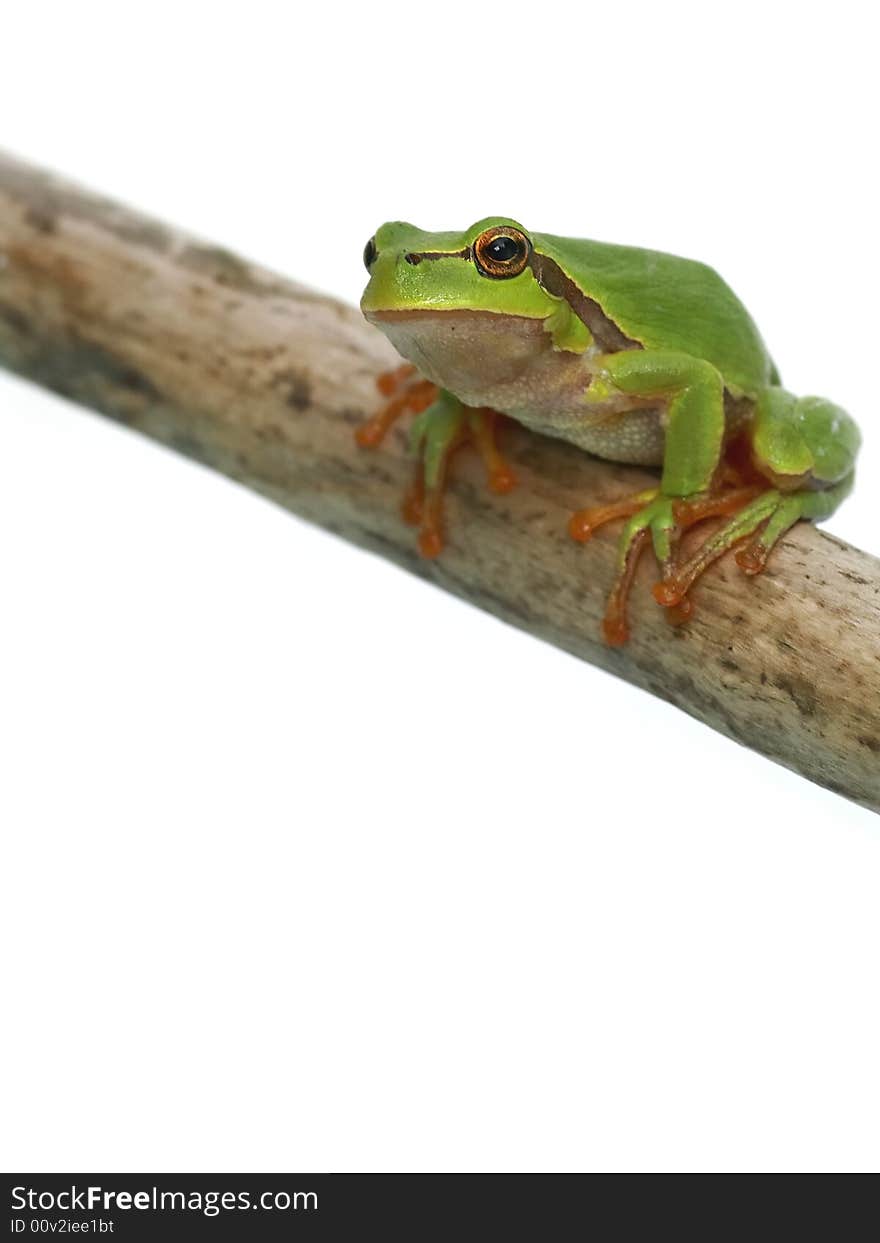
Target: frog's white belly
[
  {"x": 633, "y": 435},
  {"x": 509, "y": 363}
]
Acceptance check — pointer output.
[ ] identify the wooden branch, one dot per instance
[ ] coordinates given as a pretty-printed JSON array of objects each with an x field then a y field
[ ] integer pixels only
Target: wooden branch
[{"x": 266, "y": 381}]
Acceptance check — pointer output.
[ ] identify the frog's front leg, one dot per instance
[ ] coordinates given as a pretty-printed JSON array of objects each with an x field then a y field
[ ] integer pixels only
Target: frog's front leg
[
  {"x": 434, "y": 437},
  {"x": 442, "y": 425},
  {"x": 692, "y": 391}
]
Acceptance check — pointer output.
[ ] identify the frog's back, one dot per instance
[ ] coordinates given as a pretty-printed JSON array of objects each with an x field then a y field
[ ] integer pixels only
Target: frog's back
[{"x": 665, "y": 302}]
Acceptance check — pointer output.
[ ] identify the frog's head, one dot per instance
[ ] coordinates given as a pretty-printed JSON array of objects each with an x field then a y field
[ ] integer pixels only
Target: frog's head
[{"x": 466, "y": 308}]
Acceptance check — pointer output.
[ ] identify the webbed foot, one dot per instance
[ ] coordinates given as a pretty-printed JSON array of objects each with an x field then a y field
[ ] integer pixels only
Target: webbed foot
[
  {"x": 762, "y": 521},
  {"x": 662, "y": 520}
]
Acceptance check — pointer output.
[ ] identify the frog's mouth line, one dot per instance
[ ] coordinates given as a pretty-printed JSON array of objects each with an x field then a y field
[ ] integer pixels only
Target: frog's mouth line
[{"x": 431, "y": 313}]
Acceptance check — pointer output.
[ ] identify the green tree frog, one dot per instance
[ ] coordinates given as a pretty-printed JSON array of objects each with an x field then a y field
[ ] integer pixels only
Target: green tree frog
[{"x": 631, "y": 354}]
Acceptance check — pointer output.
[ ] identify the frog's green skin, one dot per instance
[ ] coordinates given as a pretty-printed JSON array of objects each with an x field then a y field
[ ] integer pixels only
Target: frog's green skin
[{"x": 631, "y": 354}]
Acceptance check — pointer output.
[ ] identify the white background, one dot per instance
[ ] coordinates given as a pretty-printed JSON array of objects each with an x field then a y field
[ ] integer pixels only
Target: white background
[{"x": 306, "y": 865}]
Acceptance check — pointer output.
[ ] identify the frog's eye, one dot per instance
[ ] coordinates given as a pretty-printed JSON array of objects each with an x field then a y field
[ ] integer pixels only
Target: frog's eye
[
  {"x": 370, "y": 253},
  {"x": 502, "y": 251}
]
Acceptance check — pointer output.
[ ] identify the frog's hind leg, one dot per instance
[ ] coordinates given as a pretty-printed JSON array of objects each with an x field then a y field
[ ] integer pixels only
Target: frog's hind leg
[
  {"x": 766, "y": 519},
  {"x": 806, "y": 447},
  {"x": 634, "y": 540}
]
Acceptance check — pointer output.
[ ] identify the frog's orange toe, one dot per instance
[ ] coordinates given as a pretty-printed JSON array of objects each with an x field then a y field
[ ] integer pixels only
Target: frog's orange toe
[
  {"x": 614, "y": 625},
  {"x": 426, "y": 512},
  {"x": 390, "y": 381},
  {"x": 580, "y": 527},
  {"x": 714, "y": 505},
  {"x": 585, "y": 522},
  {"x": 406, "y": 396},
  {"x": 502, "y": 480},
  {"x": 370, "y": 434},
  {"x": 615, "y": 631},
  {"x": 483, "y": 431},
  {"x": 669, "y": 593},
  {"x": 411, "y": 509},
  {"x": 753, "y": 558},
  {"x": 430, "y": 543}
]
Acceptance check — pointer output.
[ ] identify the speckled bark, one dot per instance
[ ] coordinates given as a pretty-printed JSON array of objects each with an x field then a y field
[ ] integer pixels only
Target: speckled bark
[{"x": 266, "y": 381}]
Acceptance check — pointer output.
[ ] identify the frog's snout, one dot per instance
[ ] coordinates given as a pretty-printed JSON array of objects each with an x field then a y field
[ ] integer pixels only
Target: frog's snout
[
  {"x": 372, "y": 254},
  {"x": 386, "y": 266}
]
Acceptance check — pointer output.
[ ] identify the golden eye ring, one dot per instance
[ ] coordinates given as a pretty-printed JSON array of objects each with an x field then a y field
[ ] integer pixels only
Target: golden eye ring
[{"x": 501, "y": 252}]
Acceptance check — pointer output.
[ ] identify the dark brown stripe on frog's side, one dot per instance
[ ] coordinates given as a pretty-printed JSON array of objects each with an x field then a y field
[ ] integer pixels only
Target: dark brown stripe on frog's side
[
  {"x": 416, "y": 256},
  {"x": 551, "y": 277}
]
